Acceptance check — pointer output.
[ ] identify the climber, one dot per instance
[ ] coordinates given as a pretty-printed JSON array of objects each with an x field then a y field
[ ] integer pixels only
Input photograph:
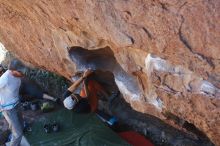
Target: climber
[
  {"x": 87, "y": 101},
  {"x": 30, "y": 89},
  {"x": 10, "y": 83}
]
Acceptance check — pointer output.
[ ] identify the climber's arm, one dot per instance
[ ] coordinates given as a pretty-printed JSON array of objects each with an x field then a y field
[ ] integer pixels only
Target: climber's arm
[{"x": 74, "y": 86}]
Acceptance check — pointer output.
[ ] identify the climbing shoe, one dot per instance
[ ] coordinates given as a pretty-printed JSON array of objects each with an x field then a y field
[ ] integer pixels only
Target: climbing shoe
[
  {"x": 47, "y": 128},
  {"x": 55, "y": 127}
]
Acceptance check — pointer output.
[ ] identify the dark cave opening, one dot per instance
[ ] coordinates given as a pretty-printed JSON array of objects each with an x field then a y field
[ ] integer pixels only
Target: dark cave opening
[{"x": 103, "y": 59}]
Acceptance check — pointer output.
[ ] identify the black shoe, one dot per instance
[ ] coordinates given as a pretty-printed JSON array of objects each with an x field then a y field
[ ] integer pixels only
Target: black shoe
[
  {"x": 55, "y": 127},
  {"x": 47, "y": 128}
]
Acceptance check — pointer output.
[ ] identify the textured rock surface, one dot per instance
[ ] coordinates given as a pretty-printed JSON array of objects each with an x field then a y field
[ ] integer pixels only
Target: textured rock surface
[{"x": 164, "y": 53}]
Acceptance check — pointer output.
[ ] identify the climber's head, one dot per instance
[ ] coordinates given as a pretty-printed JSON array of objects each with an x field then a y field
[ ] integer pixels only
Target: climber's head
[{"x": 17, "y": 68}]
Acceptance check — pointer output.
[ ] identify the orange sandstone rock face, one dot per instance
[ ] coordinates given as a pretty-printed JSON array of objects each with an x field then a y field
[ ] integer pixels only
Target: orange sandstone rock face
[{"x": 165, "y": 55}]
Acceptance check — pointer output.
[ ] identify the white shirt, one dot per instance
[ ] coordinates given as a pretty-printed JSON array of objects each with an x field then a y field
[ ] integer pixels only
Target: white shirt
[{"x": 9, "y": 90}]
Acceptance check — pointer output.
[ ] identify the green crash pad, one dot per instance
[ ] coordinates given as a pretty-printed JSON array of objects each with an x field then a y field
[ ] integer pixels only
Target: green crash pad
[{"x": 75, "y": 130}]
